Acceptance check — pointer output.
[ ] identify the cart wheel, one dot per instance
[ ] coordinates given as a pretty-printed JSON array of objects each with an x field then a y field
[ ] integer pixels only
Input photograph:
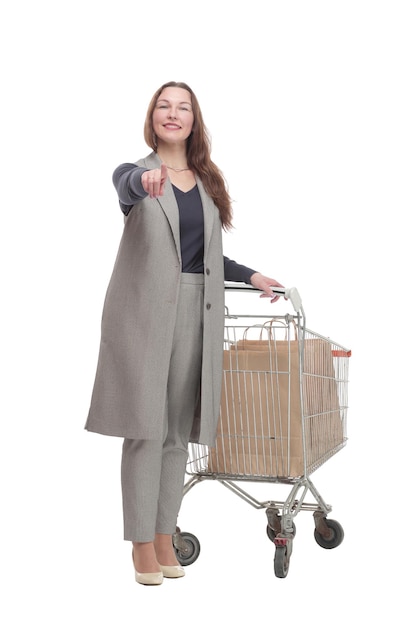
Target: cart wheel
[
  {"x": 272, "y": 534},
  {"x": 187, "y": 547},
  {"x": 333, "y": 537},
  {"x": 282, "y": 561}
]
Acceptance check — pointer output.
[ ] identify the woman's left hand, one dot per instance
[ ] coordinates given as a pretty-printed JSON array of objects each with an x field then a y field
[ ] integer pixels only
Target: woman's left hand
[{"x": 265, "y": 284}]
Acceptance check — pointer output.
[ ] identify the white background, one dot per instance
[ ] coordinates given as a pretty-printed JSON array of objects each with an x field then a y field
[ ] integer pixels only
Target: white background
[{"x": 312, "y": 110}]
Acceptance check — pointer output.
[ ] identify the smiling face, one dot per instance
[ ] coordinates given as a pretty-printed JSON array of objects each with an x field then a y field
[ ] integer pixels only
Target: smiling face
[{"x": 173, "y": 116}]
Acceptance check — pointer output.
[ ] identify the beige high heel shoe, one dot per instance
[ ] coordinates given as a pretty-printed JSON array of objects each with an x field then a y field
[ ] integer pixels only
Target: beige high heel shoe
[{"x": 150, "y": 578}]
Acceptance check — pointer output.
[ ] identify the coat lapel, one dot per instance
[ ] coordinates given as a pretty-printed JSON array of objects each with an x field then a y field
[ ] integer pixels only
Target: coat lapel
[
  {"x": 209, "y": 213},
  {"x": 168, "y": 203}
]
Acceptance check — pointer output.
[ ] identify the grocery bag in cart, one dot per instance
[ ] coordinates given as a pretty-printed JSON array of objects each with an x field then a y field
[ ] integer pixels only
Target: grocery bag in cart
[{"x": 260, "y": 429}]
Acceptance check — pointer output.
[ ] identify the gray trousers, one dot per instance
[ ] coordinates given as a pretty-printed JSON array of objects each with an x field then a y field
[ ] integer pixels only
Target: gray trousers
[{"x": 153, "y": 471}]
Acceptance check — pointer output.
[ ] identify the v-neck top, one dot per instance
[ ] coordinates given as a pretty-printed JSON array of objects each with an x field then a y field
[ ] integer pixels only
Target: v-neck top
[{"x": 191, "y": 229}]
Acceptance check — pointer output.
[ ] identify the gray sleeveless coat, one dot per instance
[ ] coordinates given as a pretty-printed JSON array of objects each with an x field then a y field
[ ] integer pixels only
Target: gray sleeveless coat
[{"x": 140, "y": 308}]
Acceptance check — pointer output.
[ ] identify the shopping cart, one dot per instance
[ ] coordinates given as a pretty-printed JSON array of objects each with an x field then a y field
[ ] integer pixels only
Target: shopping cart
[{"x": 283, "y": 415}]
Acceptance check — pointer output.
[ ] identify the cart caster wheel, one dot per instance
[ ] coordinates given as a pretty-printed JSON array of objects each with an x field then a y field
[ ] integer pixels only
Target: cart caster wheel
[
  {"x": 333, "y": 536},
  {"x": 272, "y": 533},
  {"x": 282, "y": 560},
  {"x": 187, "y": 547}
]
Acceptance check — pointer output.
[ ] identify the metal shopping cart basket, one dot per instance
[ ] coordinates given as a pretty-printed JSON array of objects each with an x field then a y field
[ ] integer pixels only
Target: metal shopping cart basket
[{"x": 283, "y": 415}]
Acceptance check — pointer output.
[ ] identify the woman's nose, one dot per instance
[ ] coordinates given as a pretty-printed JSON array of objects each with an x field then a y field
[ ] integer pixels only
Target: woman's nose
[{"x": 172, "y": 115}]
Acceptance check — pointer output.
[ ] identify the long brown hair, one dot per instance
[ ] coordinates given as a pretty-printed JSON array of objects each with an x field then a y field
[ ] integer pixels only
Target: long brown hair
[{"x": 198, "y": 154}]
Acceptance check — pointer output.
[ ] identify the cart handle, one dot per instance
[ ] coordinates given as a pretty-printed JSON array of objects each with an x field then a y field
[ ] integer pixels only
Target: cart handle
[{"x": 289, "y": 293}]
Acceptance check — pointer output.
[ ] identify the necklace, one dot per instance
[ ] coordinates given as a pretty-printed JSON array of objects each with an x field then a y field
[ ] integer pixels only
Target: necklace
[{"x": 178, "y": 169}]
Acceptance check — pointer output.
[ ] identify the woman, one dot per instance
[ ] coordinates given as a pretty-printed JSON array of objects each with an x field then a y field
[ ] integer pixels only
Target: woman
[{"x": 158, "y": 378}]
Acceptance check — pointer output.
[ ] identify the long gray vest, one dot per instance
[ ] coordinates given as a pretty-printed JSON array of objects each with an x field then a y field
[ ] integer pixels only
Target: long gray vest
[{"x": 140, "y": 308}]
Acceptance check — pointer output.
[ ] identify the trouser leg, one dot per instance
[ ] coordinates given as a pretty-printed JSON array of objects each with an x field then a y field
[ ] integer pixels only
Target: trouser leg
[
  {"x": 153, "y": 471},
  {"x": 141, "y": 471}
]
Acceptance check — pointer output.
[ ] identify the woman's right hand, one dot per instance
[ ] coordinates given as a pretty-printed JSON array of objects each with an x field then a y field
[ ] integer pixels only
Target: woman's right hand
[{"x": 153, "y": 181}]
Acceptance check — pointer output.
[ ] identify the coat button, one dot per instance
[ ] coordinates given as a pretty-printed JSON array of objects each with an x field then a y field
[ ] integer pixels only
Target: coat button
[
  {"x": 208, "y": 272},
  {"x": 208, "y": 306}
]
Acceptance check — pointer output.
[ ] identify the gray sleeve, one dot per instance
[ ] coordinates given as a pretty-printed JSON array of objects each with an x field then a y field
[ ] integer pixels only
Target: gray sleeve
[
  {"x": 127, "y": 181},
  {"x": 236, "y": 272}
]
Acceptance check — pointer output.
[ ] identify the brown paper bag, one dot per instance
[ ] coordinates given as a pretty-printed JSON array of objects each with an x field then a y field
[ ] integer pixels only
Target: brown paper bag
[{"x": 266, "y": 403}]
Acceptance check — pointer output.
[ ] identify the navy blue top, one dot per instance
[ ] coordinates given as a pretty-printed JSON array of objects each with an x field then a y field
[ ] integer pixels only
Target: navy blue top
[
  {"x": 191, "y": 229},
  {"x": 127, "y": 180}
]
